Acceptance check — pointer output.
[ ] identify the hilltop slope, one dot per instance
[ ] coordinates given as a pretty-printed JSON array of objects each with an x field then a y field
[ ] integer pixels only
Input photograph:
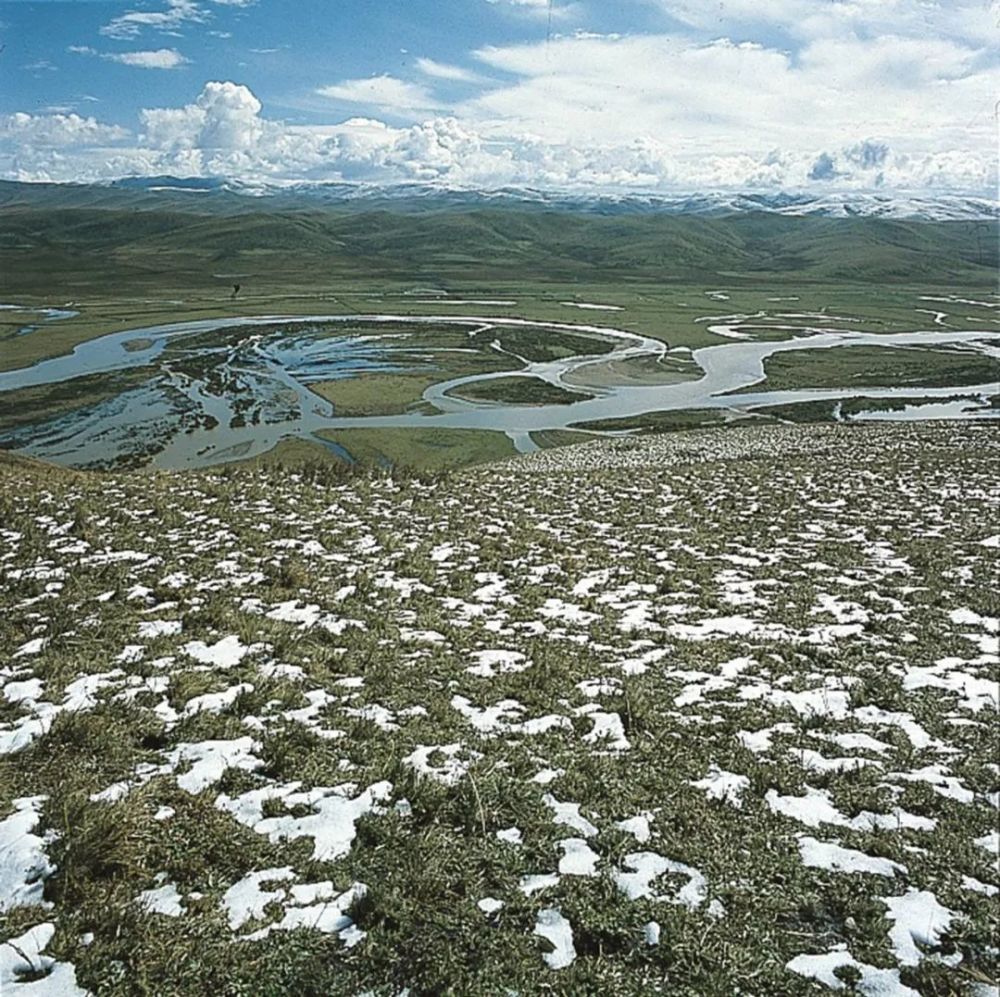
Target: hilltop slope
[{"x": 703, "y": 713}]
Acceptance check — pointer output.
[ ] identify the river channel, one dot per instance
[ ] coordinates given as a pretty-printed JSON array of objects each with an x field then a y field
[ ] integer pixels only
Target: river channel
[{"x": 258, "y": 391}]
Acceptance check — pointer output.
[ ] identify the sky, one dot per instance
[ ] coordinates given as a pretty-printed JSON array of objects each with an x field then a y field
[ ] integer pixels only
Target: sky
[{"x": 692, "y": 95}]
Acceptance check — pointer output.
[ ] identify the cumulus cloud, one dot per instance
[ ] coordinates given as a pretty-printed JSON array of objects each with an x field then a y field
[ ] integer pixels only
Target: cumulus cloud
[
  {"x": 57, "y": 130},
  {"x": 226, "y": 117},
  {"x": 224, "y": 132},
  {"x": 868, "y": 154},
  {"x": 824, "y": 168}
]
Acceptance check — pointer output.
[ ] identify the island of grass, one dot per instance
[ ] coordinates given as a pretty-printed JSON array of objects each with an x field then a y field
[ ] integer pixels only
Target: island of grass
[
  {"x": 39, "y": 403},
  {"x": 543, "y": 345},
  {"x": 656, "y": 422},
  {"x": 518, "y": 390},
  {"x": 875, "y": 366},
  {"x": 376, "y": 394},
  {"x": 834, "y": 410}
]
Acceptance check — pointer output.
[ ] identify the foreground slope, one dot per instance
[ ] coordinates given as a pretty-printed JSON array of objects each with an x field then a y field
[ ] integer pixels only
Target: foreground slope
[{"x": 707, "y": 713}]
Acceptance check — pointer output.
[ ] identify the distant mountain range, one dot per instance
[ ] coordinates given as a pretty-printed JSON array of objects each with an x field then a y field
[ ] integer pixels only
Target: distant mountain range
[{"x": 230, "y": 196}]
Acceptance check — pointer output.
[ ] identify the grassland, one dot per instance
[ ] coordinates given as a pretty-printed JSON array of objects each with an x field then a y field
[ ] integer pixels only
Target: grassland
[
  {"x": 701, "y": 713},
  {"x": 658, "y": 422},
  {"x": 123, "y": 268},
  {"x": 835, "y": 410},
  {"x": 872, "y": 366},
  {"x": 376, "y": 394},
  {"x": 517, "y": 391},
  {"x": 428, "y": 450}
]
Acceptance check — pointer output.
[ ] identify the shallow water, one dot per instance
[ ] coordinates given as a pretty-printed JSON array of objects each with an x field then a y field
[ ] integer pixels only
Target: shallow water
[
  {"x": 47, "y": 315},
  {"x": 246, "y": 397}
]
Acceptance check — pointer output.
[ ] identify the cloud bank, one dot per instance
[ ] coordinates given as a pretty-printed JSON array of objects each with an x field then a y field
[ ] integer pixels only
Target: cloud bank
[
  {"x": 224, "y": 133},
  {"x": 747, "y": 94}
]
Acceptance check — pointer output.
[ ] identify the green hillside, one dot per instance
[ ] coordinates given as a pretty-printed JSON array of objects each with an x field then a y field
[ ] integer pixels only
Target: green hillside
[{"x": 36, "y": 241}]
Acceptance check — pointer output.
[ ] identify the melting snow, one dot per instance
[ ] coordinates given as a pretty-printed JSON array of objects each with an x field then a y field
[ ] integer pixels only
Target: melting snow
[
  {"x": 647, "y": 866},
  {"x": 225, "y": 653},
  {"x": 23, "y": 957},
  {"x": 552, "y": 926},
  {"x": 919, "y": 918},
  {"x": 873, "y": 983},
  {"x": 24, "y": 866},
  {"x": 829, "y": 855}
]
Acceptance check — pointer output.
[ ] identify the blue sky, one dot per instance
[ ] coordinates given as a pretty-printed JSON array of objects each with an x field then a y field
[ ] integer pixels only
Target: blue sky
[{"x": 692, "y": 94}]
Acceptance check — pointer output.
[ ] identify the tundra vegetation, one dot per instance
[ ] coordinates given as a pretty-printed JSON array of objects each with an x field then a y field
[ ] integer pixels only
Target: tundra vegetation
[{"x": 706, "y": 712}]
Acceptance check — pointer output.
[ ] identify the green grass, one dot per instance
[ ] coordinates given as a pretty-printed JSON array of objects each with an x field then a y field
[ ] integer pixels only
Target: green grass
[
  {"x": 873, "y": 366},
  {"x": 125, "y": 268},
  {"x": 822, "y": 411},
  {"x": 518, "y": 391},
  {"x": 550, "y": 438},
  {"x": 24, "y": 407},
  {"x": 376, "y": 394},
  {"x": 658, "y": 422},
  {"x": 429, "y": 450}
]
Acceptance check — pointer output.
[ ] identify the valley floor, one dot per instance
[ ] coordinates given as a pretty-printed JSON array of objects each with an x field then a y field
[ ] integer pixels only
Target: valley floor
[{"x": 702, "y": 713}]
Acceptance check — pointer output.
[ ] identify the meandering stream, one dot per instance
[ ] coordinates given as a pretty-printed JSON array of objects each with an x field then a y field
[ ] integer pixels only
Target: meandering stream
[{"x": 180, "y": 420}]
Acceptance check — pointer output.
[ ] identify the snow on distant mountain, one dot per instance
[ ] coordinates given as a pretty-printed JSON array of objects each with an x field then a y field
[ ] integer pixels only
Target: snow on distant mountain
[{"x": 423, "y": 196}]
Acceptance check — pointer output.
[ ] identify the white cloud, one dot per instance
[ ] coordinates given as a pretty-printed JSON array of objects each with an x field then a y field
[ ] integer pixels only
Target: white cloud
[
  {"x": 968, "y": 20},
  {"x": 162, "y": 58},
  {"x": 224, "y": 132},
  {"x": 555, "y": 10},
  {"x": 57, "y": 130},
  {"x": 225, "y": 117},
  {"x": 445, "y": 71},
  {"x": 384, "y": 92},
  {"x": 132, "y": 23},
  {"x": 718, "y": 97}
]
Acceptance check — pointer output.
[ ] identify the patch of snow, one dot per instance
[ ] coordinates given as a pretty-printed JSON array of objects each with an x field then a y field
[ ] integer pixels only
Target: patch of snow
[
  {"x": 829, "y": 855},
  {"x": 210, "y": 759},
  {"x": 579, "y": 859},
  {"x": 511, "y": 835},
  {"x": 151, "y": 629},
  {"x": 225, "y": 653},
  {"x": 722, "y": 785},
  {"x": 873, "y": 983},
  {"x": 331, "y": 825},
  {"x": 24, "y": 866},
  {"x": 918, "y": 919},
  {"x": 245, "y": 900},
  {"x": 552, "y": 926},
  {"x": 539, "y": 881},
  {"x": 647, "y": 866},
  {"x": 638, "y": 827},
  {"x": 23, "y": 955},
  {"x": 162, "y": 900},
  {"x": 569, "y": 814}
]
